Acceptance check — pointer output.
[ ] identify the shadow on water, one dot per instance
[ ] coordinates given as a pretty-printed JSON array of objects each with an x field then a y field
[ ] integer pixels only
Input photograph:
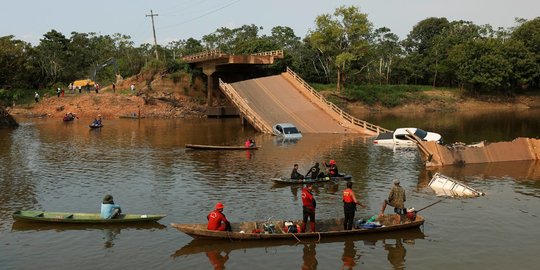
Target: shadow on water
[
  {"x": 218, "y": 251},
  {"x": 110, "y": 231}
]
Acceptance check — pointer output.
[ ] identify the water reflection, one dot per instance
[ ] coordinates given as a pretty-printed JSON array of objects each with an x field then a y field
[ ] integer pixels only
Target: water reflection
[
  {"x": 310, "y": 257},
  {"x": 110, "y": 231},
  {"x": 349, "y": 257},
  {"x": 217, "y": 259},
  {"x": 219, "y": 251}
]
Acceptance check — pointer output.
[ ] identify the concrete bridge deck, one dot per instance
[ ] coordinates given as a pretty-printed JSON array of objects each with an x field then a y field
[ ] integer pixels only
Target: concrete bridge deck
[{"x": 286, "y": 98}]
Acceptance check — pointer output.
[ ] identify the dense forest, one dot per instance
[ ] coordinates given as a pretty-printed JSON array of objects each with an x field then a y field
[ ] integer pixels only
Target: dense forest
[{"x": 342, "y": 48}]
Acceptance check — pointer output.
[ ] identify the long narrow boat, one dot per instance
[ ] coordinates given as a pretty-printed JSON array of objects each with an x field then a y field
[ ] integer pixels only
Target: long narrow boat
[
  {"x": 325, "y": 228},
  {"x": 56, "y": 226},
  {"x": 219, "y": 147},
  {"x": 199, "y": 245},
  {"x": 284, "y": 180},
  {"x": 70, "y": 217},
  {"x": 92, "y": 126}
]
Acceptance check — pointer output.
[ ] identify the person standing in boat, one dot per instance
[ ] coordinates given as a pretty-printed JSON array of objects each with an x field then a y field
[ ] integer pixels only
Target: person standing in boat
[
  {"x": 110, "y": 210},
  {"x": 331, "y": 168},
  {"x": 396, "y": 198},
  {"x": 217, "y": 220},
  {"x": 295, "y": 174},
  {"x": 308, "y": 207},
  {"x": 349, "y": 206},
  {"x": 314, "y": 172}
]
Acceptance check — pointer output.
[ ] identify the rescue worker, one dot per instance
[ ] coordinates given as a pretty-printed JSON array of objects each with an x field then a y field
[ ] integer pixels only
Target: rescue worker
[
  {"x": 396, "y": 198},
  {"x": 308, "y": 207},
  {"x": 314, "y": 172},
  {"x": 332, "y": 169},
  {"x": 217, "y": 220},
  {"x": 249, "y": 143},
  {"x": 295, "y": 174},
  {"x": 349, "y": 206}
]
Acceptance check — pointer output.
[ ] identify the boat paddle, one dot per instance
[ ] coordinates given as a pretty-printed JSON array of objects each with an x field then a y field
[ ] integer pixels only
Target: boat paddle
[{"x": 429, "y": 205}]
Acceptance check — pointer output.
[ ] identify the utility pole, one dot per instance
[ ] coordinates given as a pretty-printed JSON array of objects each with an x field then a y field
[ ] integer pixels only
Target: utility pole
[{"x": 151, "y": 15}]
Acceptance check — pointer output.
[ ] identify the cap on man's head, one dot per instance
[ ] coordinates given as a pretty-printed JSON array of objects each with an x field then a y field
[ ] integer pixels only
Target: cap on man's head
[
  {"x": 332, "y": 162},
  {"x": 219, "y": 205},
  {"x": 396, "y": 181}
]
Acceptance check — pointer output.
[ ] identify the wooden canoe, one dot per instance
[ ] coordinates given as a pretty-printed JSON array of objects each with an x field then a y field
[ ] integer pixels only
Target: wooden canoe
[
  {"x": 200, "y": 245},
  {"x": 87, "y": 218},
  {"x": 55, "y": 226},
  {"x": 219, "y": 147},
  {"x": 325, "y": 228},
  {"x": 284, "y": 180}
]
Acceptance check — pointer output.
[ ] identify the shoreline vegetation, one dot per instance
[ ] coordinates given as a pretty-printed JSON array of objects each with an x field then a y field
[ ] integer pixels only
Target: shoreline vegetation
[{"x": 441, "y": 65}]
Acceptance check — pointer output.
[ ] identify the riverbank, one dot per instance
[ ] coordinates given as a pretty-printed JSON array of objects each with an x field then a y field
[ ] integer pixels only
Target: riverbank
[
  {"x": 162, "y": 103},
  {"x": 451, "y": 101}
]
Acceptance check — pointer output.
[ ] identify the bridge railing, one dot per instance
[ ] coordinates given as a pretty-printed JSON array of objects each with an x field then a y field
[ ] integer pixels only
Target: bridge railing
[
  {"x": 252, "y": 117},
  {"x": 212, "y": 54},
  {"x": 270, "y": 53},
  {"x": 344, "y": 115}
]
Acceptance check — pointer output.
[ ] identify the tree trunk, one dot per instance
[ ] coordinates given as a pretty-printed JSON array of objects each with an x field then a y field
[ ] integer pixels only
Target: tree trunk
[
  {"x": 338, "y": 83},
  {"x": 388, "y": 71}
]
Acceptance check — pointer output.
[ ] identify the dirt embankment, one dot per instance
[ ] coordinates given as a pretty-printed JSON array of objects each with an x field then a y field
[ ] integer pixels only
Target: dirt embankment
[
  {"x": 155, "y": 96},
  {"x": 180, "y": 96}
]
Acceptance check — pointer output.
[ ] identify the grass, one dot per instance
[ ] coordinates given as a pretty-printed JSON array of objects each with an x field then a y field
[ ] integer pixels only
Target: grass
[{"x": 386, "y": 95}]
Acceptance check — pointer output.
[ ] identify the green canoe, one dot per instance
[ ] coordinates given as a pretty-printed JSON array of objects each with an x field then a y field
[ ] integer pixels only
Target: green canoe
[{"x": 70, "y": 217}]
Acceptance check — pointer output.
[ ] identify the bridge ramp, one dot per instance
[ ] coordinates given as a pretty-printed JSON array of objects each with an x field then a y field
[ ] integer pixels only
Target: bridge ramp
[{"x": 276, "y": 100}]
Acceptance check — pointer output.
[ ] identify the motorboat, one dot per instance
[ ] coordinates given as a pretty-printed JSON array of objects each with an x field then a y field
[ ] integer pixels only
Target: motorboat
[
  {"x": 286, "y": 130},
  {"x": 401, "y": 137}
]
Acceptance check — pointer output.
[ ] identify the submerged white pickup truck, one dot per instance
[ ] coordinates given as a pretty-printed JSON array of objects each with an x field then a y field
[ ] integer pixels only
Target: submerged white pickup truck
[{"x": 399, "y": 137}]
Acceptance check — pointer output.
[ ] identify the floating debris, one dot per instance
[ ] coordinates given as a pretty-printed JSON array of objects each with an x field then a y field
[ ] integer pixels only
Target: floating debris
[{"x": 446, "y": 186}]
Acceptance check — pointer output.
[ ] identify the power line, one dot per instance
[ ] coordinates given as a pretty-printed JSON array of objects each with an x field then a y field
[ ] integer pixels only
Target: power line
[{"x": 203, "y": 15}]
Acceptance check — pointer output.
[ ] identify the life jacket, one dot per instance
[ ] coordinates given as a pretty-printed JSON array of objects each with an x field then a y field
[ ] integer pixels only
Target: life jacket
[
  {"x": 215, "y": 219},
  {"x": 348, "y": 196},
  {"x": 307, "y": 199}
]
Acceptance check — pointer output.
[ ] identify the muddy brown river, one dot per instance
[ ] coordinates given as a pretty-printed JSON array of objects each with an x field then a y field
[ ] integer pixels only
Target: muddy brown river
[{"x": 54, "y": 166}]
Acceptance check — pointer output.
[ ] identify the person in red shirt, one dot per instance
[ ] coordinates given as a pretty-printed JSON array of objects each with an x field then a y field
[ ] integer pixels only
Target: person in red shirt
[
  {"x": 349, "y": 206},
  {"x": 308, "y": 207},
  {"x": 217, "y": 220}
]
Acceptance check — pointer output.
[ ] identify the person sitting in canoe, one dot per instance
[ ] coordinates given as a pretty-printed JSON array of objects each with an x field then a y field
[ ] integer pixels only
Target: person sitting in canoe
[
  {"x": 217, "y": 220},
  {"x": 314, "y": 172},
  {"x": 396, "y": 198},
  {"x": 110, "y": 210},
  {"x": 250, "y": 143},
  {"x": 97, "y": 121},
  {"x": 295, "y": 174},
  {"x": 332, "y": 169}
]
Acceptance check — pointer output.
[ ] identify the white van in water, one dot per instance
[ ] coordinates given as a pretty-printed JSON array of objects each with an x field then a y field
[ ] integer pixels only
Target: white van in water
[
  {"x": 287, "y": 130},
  {"x": 399, "y": 137}
]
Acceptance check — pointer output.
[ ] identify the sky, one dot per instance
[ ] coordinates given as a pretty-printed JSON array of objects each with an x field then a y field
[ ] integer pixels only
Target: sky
[{"x": 183, "y": 19}]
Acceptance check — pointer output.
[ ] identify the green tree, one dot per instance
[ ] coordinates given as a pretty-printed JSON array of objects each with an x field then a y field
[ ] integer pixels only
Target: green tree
[
  {"x": 52, "y": 55},
  {"x": 340, "y": 38},
  {"x": 529, "y": 34}
]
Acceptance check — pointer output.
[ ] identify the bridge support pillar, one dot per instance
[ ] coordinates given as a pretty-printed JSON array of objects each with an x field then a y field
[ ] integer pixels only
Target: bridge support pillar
[{"x": 209, "y": 70}]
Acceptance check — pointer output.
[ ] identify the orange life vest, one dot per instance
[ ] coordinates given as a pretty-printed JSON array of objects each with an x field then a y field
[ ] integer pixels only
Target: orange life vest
[{"x": 348, "y": 196}]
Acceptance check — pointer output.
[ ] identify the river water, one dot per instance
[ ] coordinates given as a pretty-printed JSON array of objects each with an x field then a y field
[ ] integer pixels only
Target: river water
[{"x": 54, "y": 166}]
